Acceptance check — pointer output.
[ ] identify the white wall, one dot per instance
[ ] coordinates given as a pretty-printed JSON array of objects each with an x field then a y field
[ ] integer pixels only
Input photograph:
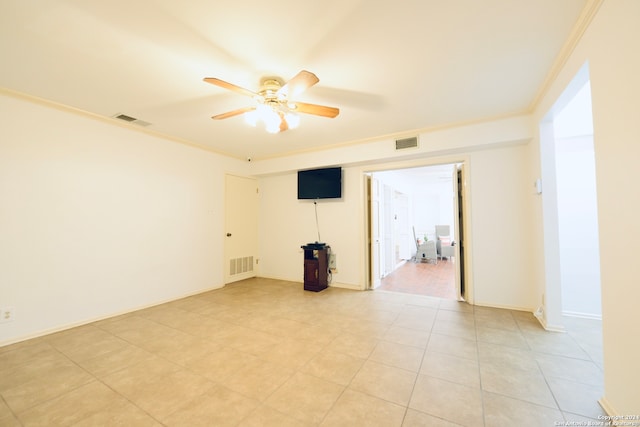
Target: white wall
[
  {"x": 287, "y": 223},
  {"x": 433, "y": 205},
  {"x": 97, "y": 219},
  {"x": 501, "y": 228},
  {"x": 577, "y": 203},
  {"x": 611, "y": 45},
  {"x": 431, "y": 199},
  {"x": 430, "y": 202},
  {"x": 578, "y": 227},
  {"x": 500, "y": 213}
]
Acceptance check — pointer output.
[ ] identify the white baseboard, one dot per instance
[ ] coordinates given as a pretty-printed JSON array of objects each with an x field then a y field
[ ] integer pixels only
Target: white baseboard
[
  {"x": 97, "y": 319},
  {"x": 604, "y": 403},
  {"x": 346, "y": 286},
  {"x": 548, "y": 327},
  {"x": 506, "y": 307},
  {"x": 331, "y": 285},
  {"x": 582, "y": 315},
  {"x": 284, "y": 279}
]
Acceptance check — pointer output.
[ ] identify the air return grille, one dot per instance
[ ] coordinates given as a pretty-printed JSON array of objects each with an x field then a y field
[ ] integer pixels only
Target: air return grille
[
  {"x": 240, "y": 265},
  {"x": 130, "y": 119},
  {"x": 402, "y": 144}
]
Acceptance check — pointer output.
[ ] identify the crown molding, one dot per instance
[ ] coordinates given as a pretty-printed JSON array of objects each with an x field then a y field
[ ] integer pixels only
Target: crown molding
[
  {"x": 109, "y": 120},
  {"x": 584, "y": 20}
]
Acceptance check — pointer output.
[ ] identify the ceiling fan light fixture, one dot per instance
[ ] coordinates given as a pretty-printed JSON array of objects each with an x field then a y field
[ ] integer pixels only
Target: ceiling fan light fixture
[
  {"x": 270, "y": 118},
  {"x": 292, "y": 119},
  {"x": 273, "y": 127},
  {"x": 251, "y": 118}
]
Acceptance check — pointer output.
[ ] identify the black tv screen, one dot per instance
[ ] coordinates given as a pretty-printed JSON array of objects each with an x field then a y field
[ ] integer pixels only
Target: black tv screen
[{"x": 323, "y": 183}]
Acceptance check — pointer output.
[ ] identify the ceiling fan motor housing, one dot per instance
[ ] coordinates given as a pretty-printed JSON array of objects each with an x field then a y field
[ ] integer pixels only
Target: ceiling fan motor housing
[{"x": 270, "y": 86}]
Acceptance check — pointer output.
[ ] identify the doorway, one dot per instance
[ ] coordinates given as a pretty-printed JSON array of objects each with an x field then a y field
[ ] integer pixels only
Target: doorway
[
  {"x": 572, "y": 257},
  {"x": 405, "y": 206}
]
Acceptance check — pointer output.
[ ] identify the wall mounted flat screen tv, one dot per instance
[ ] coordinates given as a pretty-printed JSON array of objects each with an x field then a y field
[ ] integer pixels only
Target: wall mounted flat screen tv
[{"x": 323, "y": 183}]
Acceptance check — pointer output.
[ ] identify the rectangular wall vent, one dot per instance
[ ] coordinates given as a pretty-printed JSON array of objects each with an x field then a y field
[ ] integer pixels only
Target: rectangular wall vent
[
  {"x": 125, "y": 118},
  {"x": 240, "y": 265},
  {"x": 130, "y": 119},
  {"x": 405, "y": 143}
]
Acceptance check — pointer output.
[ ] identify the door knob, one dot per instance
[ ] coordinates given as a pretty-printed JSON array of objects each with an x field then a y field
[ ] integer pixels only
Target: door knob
[{"x": 228, "y": 234}]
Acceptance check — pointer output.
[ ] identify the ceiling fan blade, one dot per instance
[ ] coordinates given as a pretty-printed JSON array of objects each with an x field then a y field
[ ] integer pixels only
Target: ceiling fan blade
[
  {"x": 318, "y": 110},
  {"x": 301, "y": 82},
  {"x": 233, "y": 113},
  {"x": 229, "y": 86}
]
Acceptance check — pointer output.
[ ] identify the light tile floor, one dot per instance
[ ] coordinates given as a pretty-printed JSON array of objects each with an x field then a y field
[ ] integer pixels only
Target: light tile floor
[{"x": 266, "y": 353}]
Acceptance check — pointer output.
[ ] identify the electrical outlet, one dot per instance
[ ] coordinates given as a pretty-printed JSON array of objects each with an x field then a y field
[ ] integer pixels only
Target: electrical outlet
[
  {"x": 6, "y": 314},
  {"x": 332, "y": 261}
]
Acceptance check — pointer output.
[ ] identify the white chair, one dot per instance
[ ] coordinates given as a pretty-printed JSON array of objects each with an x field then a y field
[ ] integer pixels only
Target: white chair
[
  {"x": 427, "y": 252},
  {"x": 443, "y": 244}
]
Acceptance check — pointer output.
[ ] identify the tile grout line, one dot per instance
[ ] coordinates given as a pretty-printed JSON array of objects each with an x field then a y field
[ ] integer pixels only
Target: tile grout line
[
  {"x": 424, "y": 352},
  {"x": 482, "y": 391},
  {"x": 15, "y": 415}
]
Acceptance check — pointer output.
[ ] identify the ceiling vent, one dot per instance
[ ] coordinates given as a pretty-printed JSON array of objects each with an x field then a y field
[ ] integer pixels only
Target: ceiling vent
[
  {"x": 403, "y": 144},
  {"x": 130, "y": 119}
]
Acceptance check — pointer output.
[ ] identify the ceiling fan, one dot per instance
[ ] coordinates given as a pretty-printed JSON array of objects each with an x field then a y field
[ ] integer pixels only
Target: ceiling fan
[{"x": 275, "y": 104}]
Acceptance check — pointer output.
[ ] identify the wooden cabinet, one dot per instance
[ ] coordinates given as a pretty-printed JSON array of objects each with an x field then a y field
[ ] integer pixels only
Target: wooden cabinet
[{"x": 316, "y": 263}]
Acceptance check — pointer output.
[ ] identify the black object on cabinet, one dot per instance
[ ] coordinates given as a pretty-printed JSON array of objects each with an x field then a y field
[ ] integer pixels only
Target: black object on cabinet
[{"x": 316, "y": 263}]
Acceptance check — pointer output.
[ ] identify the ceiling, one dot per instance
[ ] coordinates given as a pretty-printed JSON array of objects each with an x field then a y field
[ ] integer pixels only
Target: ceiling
[{"x": 392, "y": 67}]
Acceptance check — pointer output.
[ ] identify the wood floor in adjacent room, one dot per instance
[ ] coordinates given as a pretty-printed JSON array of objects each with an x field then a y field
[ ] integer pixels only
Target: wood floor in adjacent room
[
  {"x": 264, "y": 352},
  {"x": 423, "y": 278}
]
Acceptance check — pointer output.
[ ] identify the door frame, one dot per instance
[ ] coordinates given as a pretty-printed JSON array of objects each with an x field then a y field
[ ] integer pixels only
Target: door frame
[{"x": 465, "y": 209}]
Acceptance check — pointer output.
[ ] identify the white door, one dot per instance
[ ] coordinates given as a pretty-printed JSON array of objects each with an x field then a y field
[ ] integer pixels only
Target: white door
[
  {"x": 387, "y": 257},
  {"x": 241, "y": 228},
  {"x": 376, "y": 273},
  {"x": 405, "y": 239},
  {"x": 459, "y": 228}
]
